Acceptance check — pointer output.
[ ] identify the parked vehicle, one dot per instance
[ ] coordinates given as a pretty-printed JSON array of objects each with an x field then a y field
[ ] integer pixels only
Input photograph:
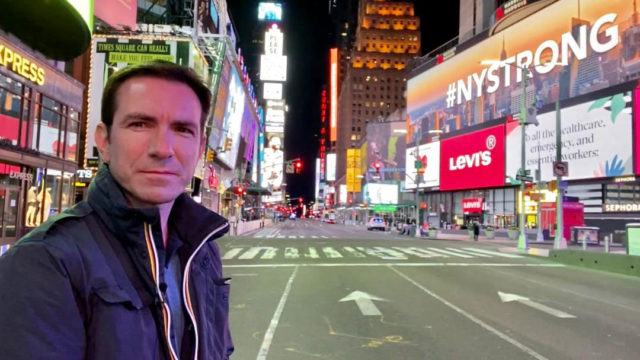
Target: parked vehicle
[{"x": 377, "y": 223}]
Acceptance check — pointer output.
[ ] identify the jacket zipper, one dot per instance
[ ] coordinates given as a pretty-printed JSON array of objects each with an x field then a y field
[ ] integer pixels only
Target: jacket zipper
[
  {"x": 185, "y": 286},
  {"x": 155, "y": 271}
]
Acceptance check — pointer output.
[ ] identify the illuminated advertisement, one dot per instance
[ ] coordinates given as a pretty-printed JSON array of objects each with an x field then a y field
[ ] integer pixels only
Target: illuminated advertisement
[
  {"x": 342, "y": 194},
  {"x": 85, "y": 10},
  {"x": 269, "y": 11},
  {"x": 317, "y": 179},
  {"x": 249, "y": 130},
  {"x": 273, "y": 68},
  {"x": 331, "y": 167},
  {"x": 272, "y": 91},
  {"x": 216, "y": 135},
  {"x": 473, "y": 161},
  {"x": 375, "y": 194},
  {"x": 429, "y": 157},
  {"x": 274, "y": 121},
  {"x": 109, "y": 54},
  {"x": 273, "y": 41},
  {"x": 116, "y": 13},
  {"x": 273, "y": 163},
  {"x": 581, "y": 48},
  {"x": 354, "y": 176},
  {"x": 333, "y": 93},
  {"x": 596, "y": 140},
  {"x": 636, "y": 114},
  {"x": 232, "y": 121},
  {"x": 385, "y": 146}
]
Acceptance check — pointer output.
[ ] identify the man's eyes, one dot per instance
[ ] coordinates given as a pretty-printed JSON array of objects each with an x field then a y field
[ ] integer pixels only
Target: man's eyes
[{"x": 185, "y": 130}]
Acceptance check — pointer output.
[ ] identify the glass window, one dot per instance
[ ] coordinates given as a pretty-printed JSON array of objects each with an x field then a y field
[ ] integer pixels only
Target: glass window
[
  {"x": 66, "y": 198},
  {"x": 10, "y": 105}
]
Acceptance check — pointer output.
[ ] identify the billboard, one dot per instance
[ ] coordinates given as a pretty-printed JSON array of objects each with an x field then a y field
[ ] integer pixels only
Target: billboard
[
  {"x": 216, "y": 137},
  {"x": 269, "y": 11},
  {"x": 111, "y": 53},
  {"x": 473, "y": 161},
  {"x": 272, "y": 91},
  {"x": 116, "y": 13},
  {"x": 385, "y": 146},
  {"x": 580, "y": 49},
  {"x": 429, "y": 157},
  {"x": 342, "y": 194},
  {"x": 381, "y": 193},
  {"x": 333, "y": 93},
  {"x": 273, "y": 68},
  {"x": 596, "y": 140},
  {"x": 353, "y": 173},
  {"x": 274, "y": 121},
  {"x": 232, "y": 121},
  {"x": 273, "y": 41},
  {"x": 331, "y": 167},
  {"x": 273, "y": 163}
]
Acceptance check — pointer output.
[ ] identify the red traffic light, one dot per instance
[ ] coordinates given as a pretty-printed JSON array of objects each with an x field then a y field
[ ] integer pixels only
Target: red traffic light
[
  {"x": 298, "y": 165},
  {"x": 377, "y": 165},
  {"x": 240, "y": 190}
]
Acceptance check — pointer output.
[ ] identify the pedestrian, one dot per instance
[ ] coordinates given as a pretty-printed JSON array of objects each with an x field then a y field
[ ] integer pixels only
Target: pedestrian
[
  {"x": 133, "y": 272},
  {"x": 476, "y": 230}
]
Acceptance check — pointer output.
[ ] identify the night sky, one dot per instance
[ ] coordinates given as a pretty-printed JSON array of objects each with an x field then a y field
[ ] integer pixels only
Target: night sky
[{"x": 308, "y": 36}]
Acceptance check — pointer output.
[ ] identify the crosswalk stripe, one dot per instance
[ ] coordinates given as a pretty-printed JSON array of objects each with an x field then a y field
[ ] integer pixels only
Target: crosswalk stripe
[
  {"x": 271, "y": 236},
  {"x": 468, "y": 253},
  {"x": 324, "y": 237},
  {"x": 314, "y": 236},
  {"x": 382, "y": 254},
  {"x": 280, "y": 236},
  {"x": 495, "y": 253},
  {"x": 393, "y": 254},
  {"x": 251, "y": 253},
  {"x": 312, "y": 253},
  {"x": 450, "y": 253},
  {"x": 269, "y": 253},
  {"x": 291, "y": 253},
  {"x": 232, "y": 253},
  {"x": 258, "y": 236},
  {"x": 292, "y": 236},
  {"x": 354, "y": 252},
  {"x": 421, "y": 253}
]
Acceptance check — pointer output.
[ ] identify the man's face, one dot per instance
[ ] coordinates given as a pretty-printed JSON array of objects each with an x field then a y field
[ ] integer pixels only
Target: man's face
[{"x": 155, "y": 139}]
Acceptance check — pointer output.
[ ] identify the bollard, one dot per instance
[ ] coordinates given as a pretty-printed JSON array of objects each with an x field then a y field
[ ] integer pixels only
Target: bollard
[
  {"x": 606, "y": 244},
  {"x": 584, "y": 243}
]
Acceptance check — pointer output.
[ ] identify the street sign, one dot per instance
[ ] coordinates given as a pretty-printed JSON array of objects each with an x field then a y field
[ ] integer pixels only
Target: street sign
[
  {"x": 524, "y": 178},
  {"x": 560, "y": 168},
  {"x": 385, "y": 208}
]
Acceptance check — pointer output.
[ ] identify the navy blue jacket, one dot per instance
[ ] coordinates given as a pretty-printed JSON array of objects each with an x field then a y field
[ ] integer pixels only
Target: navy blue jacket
[{"x": 87, "y": 283}]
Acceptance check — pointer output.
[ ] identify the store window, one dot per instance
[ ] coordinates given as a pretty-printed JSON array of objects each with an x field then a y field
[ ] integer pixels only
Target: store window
[
  {"x": 73, "y": 128},
  {"x": 10, "y": 106},
  {"x": 50, "y": 121}
]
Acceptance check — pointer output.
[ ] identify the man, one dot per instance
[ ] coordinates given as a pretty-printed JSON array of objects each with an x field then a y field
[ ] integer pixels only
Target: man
[{"x": 133, "y": 272}]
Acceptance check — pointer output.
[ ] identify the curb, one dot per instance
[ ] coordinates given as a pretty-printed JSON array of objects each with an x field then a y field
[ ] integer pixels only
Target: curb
[{"x": 529, "y": 251}]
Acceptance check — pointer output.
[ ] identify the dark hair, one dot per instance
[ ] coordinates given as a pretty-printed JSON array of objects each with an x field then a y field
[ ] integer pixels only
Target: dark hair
[{"x": 156, "y": 69}]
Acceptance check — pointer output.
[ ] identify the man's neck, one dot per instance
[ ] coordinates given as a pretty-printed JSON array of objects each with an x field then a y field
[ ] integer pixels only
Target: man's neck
[{"x": 165, "y": 210}]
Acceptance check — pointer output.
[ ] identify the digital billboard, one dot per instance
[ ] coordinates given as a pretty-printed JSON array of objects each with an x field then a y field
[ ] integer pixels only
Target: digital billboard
[
  {"x": 232, "y": 121},
  {"x": 386, "y": 147},
  {"x": 273, "y": 163},
  {"x": 273, "y": 41},
  {"x": 381, "y": 193},
  {"x": 596, "y": 140},
  {"x": 331, "y": 167},
  {"x": 342, "y": 194},
  {"x": 474, "y": 160},
  {"x": 429, "y": 157},
  {"x": 273, "y": 68},
  {"x": 579, "y": 50},
  {"x": 116, "y": 13},
  {"x": 274, "y": 121},
  {"x": 272, "y": 91},
  {"x": 216, "y": 136},
  {"x": 269, "y": 11},
  {"x": 333, "y": 93}
]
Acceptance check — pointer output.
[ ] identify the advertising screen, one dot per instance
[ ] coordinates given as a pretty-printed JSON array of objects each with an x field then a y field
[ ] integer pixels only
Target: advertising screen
[
  {"x": 636, "y": 114},
  {"x": 216, "y": 136},
  {"x": 596, "y": 140},
  {"x": 109, "y": 54},
  {"x": 381, "y": 193},
  {"x": 232, "y": 121},
  {"x": 580, "y": 49},
  {"x": 386, "y": 147},
  {"x": 273, "y": 41},
  {"x": 473, "y": 161},
  {"x": 429, "y": 157},
  {"x": 273, "y": 163},
  {"x": 342, "y": 194},
  {"x": 273, "y": 68},
  {"x": 270, "y": 11},
  {"x": 272, "y": 91},
  {"x": 116, "y": 13},
  {"x": 274, "y": 120},
  {"x": 331, "y": 167}
]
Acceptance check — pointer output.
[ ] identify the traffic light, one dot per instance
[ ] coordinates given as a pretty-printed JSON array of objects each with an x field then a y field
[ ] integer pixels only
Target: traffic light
[
  {"x": 227, "y": 144},
  {"x": 240, "y": 191},
  {"x": 298, "y": 166},
  {"x": 209, "y": 155},
  {"x": 377, "y": 165}
]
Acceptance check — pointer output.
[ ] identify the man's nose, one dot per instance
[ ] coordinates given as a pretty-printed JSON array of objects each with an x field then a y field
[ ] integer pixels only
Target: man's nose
[{"x": 161, "y": 144}]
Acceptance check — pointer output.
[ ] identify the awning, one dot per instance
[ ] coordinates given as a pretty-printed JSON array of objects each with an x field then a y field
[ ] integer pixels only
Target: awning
[{"x": 257, "y": 190}]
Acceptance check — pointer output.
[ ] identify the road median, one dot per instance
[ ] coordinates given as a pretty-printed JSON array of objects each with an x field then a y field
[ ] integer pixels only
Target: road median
[{"x": 618, "y": 263}]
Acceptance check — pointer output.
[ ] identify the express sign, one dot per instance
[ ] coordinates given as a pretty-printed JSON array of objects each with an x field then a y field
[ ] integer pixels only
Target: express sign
[{"x": 474, "y": 160}]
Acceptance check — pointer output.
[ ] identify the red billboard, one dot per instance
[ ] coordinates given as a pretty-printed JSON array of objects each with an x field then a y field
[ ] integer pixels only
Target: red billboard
[
  {"x": 117, "y": 13},
  {"x": 472, "y": 205},
  {"x": 473, "y": 161}
]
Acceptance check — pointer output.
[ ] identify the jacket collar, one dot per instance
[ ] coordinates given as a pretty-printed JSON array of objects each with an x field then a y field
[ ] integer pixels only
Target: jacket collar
[{"x": 192, "y": 221}]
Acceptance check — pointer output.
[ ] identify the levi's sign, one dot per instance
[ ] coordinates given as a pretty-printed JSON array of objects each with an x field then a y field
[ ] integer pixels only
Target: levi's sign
[{"x": 474, "y": 160}]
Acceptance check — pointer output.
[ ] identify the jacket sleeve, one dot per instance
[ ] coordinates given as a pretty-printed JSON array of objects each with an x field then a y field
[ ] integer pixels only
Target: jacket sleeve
[{"x": 39, "y": 314}]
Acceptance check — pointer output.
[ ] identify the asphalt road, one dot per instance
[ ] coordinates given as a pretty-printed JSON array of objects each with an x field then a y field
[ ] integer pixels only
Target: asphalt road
[{"x": 307, "y": 290}]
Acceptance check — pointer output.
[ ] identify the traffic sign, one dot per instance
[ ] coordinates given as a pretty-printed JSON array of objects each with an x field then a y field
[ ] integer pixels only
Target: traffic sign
[
  {"x": 524, "y": 178},
  {"x": 560, "y": 168}
]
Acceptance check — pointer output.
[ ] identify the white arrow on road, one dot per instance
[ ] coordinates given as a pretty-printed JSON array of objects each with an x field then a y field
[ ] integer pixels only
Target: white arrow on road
[
  {"x": 526, "y": 301},
  {"x": 364, "y": 302}
]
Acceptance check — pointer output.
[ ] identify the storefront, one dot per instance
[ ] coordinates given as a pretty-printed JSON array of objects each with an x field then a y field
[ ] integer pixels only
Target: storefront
[{"x": 39, "y": 128}]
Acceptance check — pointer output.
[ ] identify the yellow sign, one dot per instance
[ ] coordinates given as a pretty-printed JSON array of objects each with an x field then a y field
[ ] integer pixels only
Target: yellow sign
[
  {"x": 17, "y": 63},
  {"x": 353, "y": 170},
  {"x": 138, "y": 58}
]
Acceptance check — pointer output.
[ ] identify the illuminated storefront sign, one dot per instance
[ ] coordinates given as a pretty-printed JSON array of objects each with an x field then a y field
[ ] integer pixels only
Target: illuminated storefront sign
[
  {"x": 272, "y": 91},
  {"x": 19, "y": 64},
  {"x": 573, "y": 54},
  {"x": 474, "y": 160},
  {"x": 331, "y": 167},
  {"x": 353, "y": 174},
  {"x": 629, "y": 207},
  {"x": 333, "y": 116},
  {"x": 273, "y": 68},
  {"x": 472, "y": 205}
]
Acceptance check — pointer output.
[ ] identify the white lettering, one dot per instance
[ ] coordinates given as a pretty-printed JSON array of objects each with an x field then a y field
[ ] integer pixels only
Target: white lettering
[
  {"x": 543, "y": 68},
  {"x": 611, "y": 33},
  {"x": 507, "y": 70},
  {"x": 478, "y": 80},
  {"x": 486, "y": 158},
  {"x": 523, "y": 60},
  {"x": 493, "y": 78},
  {"x": 468, "y": 161},
  {"x": 578, "y": 50},
  {"x": 464, "y": 89}
]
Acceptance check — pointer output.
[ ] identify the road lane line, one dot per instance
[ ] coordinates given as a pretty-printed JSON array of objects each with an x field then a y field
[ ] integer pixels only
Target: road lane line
[
  {"x": 494, "y": 253},
  {"x": 479, "y": 322},
  {"x": 451, "y": 253},
  {"x": 232, "y": 253},
  {"x": 268, "y": 335},
  {"x": 440, "y": 264},
  {"x": 469, "y": 252}
]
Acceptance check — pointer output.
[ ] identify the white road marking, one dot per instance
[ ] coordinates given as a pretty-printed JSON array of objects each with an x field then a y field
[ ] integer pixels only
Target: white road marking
[
  {"x": 314, "y": 236},
  {"x": 269, "y": 253},
  {"x": 354, "y": 252},
  {"x": 258, "y": 236},
  {"x": 324, "y": 237},
  {"x": 469, "y": 253},
  {"x": 271, "y": 236},
  {"x": 292, "y": 236},
  {"x": 479, "y": 322},
  {"x": 421, "y": 253},
  {"x": 280, "y": 236},
  {"x": 331, "y": 253},
  {"x": 291, "y": 253},
  {"x": 494, "y": 253},
  {"x": 251, "y": 253},
  {"x": 396, "y": 265},
  {"x": 450, "y": 253},
  {"x": 393, "y": 254},
  {"x": 364, "y": 302},
  {"x": 268, "y": 335},
  {"x": 232, "y": 253},
  {"x": 312, "y": 253},
  {"x": 505, "y": 297}
]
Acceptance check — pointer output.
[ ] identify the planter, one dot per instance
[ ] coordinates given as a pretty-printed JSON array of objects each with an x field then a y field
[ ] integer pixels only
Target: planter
[
  {"x": 433, "y": 233},
  {"x": 489, "y": 234},
  {"x": 470, "y": 232},
  {"x": 513, "y": 234}
]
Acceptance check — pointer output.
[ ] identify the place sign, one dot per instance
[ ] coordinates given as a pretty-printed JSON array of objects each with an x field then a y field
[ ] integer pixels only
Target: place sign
[{"x": 626, "y": 207}]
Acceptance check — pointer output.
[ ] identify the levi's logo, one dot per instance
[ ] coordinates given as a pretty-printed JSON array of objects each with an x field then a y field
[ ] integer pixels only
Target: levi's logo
[{"x": 480, "y": 158}]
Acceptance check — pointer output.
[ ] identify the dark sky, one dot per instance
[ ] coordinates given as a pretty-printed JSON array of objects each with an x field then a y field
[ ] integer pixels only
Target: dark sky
[{"x": 307, "y": 38}]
